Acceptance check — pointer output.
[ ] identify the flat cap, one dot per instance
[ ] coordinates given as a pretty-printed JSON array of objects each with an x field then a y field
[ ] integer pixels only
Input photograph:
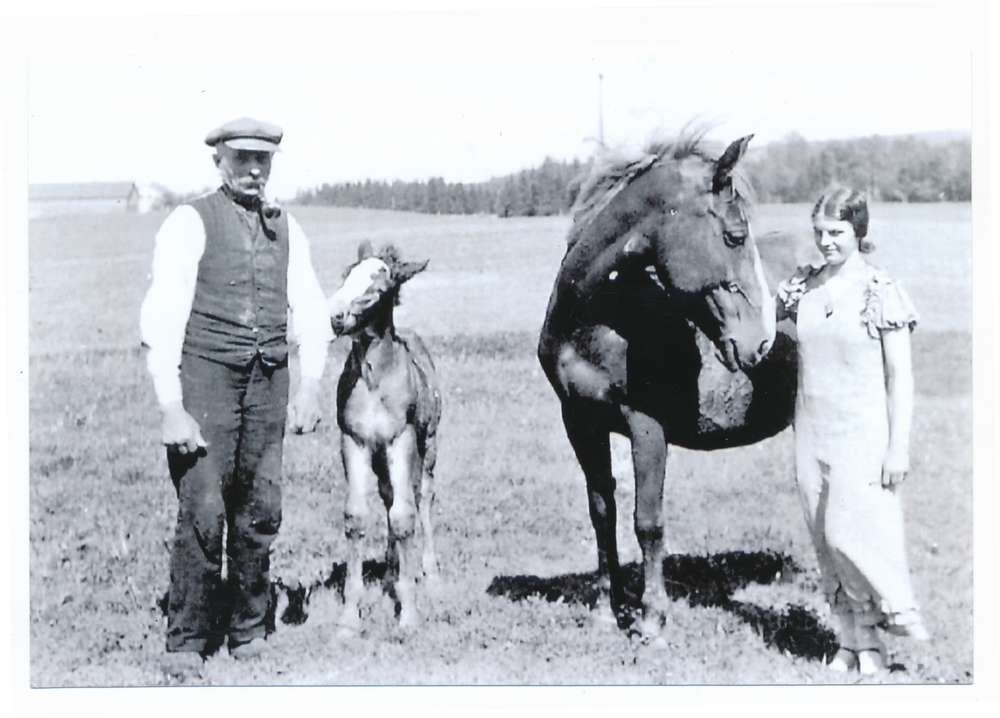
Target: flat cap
[{"x": 246, "y": 134}]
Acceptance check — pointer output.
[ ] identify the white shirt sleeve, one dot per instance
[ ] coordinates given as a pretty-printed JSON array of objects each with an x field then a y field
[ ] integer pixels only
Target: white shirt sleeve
[
  {"x": 311, "y": 328},
  {"x": 163, "y": 318}
]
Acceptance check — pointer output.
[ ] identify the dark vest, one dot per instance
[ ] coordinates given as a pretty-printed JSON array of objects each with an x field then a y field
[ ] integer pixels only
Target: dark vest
[{"x": 240, "y": 306}]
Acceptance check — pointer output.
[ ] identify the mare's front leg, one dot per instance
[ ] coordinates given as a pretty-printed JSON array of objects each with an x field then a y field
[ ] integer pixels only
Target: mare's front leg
[
  {"x": 592, "y": 444},
  {"x": 397, "y": 478},
  {"x": 649, "y": 458},
  {"x": 357, "y": 467}
]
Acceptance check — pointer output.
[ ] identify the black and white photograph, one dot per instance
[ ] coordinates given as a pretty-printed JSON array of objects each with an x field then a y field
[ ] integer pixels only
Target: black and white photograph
[{"x": 577, "y": 347}]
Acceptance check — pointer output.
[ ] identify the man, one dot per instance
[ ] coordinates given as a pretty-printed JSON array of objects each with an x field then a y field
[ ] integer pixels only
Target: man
[{"x": 228, "y": 270}]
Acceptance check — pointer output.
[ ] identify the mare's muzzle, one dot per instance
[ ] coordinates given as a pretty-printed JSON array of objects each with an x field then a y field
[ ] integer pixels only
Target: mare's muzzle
[{"x": 747, "y": 327}]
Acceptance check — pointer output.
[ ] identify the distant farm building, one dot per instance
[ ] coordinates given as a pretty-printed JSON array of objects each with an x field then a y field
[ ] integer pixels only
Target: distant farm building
[{"x": 83, "y": 197}]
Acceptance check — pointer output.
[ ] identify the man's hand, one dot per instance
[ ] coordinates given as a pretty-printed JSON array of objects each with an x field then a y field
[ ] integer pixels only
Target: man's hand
[
  {"x": 303, "y": 412},
  {"x": 180, "y": 430}
]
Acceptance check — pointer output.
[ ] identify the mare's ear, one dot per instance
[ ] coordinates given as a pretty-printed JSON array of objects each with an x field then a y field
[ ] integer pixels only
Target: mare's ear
[
  {"x": 724, "y": 167},
  {"x": 405, "y": 271},
  {"x": 365, "y": 250}
]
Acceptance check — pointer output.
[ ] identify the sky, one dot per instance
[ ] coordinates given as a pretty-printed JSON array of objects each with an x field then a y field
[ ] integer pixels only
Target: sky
[{"x": 461, "y": 114}]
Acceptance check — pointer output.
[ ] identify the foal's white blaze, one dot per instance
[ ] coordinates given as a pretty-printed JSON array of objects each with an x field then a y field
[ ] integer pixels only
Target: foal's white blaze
[{"x": 358, "y": 282}]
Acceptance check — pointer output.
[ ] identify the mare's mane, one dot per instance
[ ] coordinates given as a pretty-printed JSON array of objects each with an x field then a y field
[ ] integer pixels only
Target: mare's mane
[{"x": 611, "y": 174}]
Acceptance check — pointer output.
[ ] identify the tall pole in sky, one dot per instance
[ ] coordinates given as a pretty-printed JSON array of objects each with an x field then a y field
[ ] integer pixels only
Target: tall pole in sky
[{"x": 600, "y": 109}]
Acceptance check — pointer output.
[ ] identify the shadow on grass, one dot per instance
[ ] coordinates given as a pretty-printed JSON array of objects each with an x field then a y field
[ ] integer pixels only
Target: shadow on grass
[
  {"x": 705, "y": 581},
  {"x": 292, "y": 598},
  {"x": 701, "y": 581},
  {"x": 295, "y": 612}
]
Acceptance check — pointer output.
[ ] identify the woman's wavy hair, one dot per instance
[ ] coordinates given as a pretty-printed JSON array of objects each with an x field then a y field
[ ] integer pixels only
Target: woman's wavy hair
[{"x": 847, "y": 205}]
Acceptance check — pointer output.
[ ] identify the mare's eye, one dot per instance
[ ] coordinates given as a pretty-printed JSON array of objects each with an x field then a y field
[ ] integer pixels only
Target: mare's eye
[{"x": 734, "y": 239}]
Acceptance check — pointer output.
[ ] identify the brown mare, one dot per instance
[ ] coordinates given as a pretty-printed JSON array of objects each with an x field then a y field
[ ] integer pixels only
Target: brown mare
[
  {"x": 660, "y": 288},
  {"x": 388, "y": 409}
]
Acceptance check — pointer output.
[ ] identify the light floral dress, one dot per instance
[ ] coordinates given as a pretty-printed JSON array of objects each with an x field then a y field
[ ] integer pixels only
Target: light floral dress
[{"x": 841, "y": 438}]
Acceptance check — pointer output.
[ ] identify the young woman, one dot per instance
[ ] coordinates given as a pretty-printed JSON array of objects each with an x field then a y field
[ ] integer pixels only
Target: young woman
[{"x": 852, "y": 429}]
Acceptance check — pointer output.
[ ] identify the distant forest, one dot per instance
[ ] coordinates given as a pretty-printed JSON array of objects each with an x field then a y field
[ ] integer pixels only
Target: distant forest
[{"x": 892, "y": 169}]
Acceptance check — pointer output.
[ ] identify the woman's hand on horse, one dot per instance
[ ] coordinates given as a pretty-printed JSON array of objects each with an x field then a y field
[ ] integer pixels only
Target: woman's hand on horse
[
  {"x": 180, "y": 430},
  {"x": 304, "y": 411}
]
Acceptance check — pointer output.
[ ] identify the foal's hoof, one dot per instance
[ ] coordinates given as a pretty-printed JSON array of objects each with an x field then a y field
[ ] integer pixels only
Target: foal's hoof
[
  {"x": 349, "y": 624},
  {"x": 347, "y": 632},
  {"x": 659, "y": 643},
  {"x": 432, "y": 582},
  {"x": 409, "y": 618}
]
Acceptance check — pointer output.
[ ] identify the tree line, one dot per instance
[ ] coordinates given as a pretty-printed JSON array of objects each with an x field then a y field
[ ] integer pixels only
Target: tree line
[
  {"x": 891, "y": 169},
  {"x": 544, "y": 190}
]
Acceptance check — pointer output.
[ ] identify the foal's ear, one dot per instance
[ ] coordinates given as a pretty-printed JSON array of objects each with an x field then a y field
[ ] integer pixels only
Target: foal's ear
[
  {"x": 724, "y": 167},
  {"x": 365, "y": 250},
  {"x": 405, "y": 271}
]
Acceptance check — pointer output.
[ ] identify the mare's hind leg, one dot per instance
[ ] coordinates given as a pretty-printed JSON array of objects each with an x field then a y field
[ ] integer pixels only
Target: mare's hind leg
[
  {"x": 357, "y": 467},
  {"x": 649, "y": 458},
  {"x": 396, "y": 484},
  {"x": 591, "y": 442}
]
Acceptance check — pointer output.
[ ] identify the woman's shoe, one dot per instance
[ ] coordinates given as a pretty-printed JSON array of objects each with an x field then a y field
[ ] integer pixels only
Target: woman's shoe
[
  {"x": 870, "y": 661},
  {"x": 908, "y": 624},
  {"x": 844, "y": 660}
]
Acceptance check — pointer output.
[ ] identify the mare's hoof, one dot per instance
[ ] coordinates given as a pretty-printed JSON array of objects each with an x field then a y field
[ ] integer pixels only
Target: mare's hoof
[
  {"x": 250, "y": 650},
  {"x": 655, "y": 611},
  {"x": 650, "y": 627},
  {"x": 604, "y": 616}
]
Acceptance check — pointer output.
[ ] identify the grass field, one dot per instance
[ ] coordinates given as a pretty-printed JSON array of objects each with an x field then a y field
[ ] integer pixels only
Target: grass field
[{"x": 513, "y": 533}]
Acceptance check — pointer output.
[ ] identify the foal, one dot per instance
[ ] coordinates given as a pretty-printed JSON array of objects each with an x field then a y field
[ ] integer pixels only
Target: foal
[{"x": 388, "y": 409}]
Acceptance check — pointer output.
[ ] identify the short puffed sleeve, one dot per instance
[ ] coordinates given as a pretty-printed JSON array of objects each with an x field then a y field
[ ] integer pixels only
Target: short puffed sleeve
[
  {"x": 792, "y": 290},
  {"x": 887, "y": 305}
]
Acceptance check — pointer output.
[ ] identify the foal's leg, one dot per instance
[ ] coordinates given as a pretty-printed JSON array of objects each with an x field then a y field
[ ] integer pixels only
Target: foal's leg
[
  {"x": 649, "y": 457},
  {"x": 403, "y": 465},
  {"x": 357, "y": 467},
  {"x": 427, "y": 445},
  {"x": 592, "y": 444},
  {"x": 425, "y": 502}
]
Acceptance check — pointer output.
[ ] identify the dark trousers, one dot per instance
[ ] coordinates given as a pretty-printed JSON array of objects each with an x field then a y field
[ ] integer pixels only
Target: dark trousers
[{"x": 235, "y": 482}]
